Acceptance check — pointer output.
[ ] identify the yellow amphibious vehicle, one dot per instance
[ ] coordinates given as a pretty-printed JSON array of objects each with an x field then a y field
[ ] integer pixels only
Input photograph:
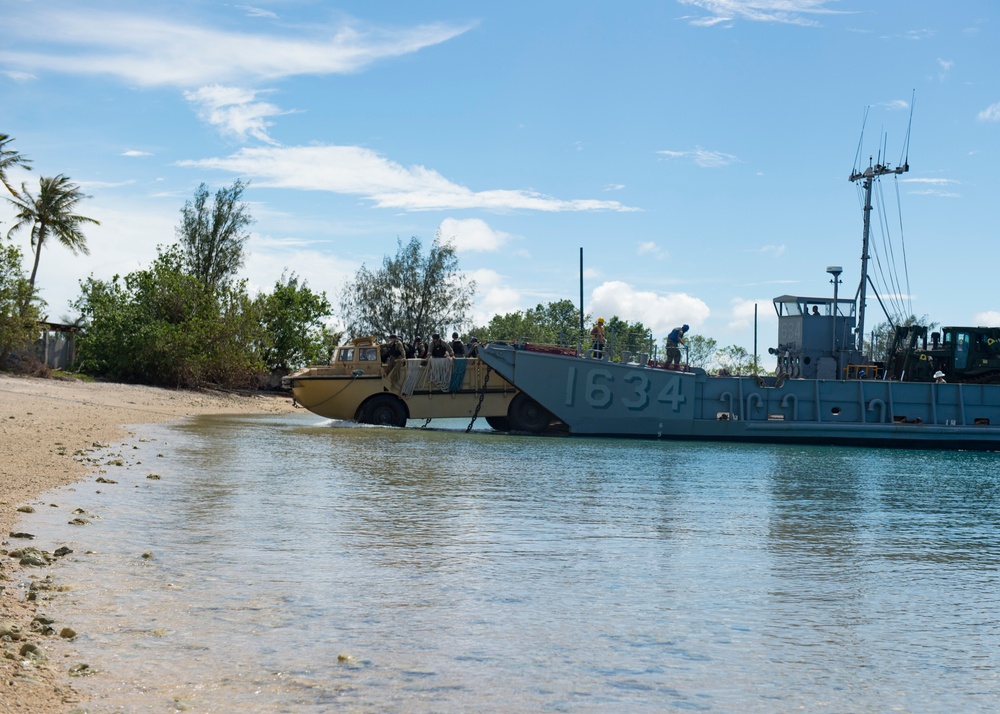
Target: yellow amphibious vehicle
[{"x": 357, "y": 385}]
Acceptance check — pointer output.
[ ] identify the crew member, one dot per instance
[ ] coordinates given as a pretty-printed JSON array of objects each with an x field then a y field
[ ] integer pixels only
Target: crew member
[
  {"x": 597, "y": 335},
  {"x": 457, "y": 346},
  {"x": 394, "y": 351},
  {"x": 674, "y": 340},
  {"x": 438, "y": 348},
  {"x": 472, "y": 350}
]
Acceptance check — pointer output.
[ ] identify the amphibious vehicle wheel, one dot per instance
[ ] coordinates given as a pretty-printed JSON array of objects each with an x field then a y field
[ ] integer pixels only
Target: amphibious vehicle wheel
[
  {"x": 383, "y": 410},
  {"x": 525, "y": 414},
  {"x": 498, "y": 423}
]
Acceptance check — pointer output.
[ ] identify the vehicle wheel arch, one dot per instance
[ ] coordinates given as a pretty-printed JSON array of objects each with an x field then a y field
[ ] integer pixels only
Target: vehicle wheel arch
[{"x": 383, "y": 409}]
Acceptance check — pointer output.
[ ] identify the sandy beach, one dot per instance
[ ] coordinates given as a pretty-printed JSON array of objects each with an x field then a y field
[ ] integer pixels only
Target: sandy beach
[{"x": 43, "y": 423}]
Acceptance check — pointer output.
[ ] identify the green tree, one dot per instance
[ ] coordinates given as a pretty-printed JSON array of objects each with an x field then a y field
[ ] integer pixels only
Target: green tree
[
  {"x": 19, "y": 312},
  {"x": 411, "y": 294},
  {"x": 556, "y": 322},
  {"x": 161, "y": 326},
  {"x": 735, "y": 360},
  {"x": 294, "y": 332},
  {"x": 51, "y": 213},
  {"x": 212, "y": 236},
  {"x": 880, "y": 339},
  {"x": 10, "y": 158},
  {"x": 700, "y": 350},
  {"x": 624, "y": 336}
]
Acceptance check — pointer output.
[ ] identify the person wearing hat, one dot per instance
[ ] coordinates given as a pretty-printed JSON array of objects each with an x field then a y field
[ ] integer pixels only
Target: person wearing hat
[
  {"x": 597, "y": 335},
  {"x": 439, "y": 348},
  {"x": 393, "y": 353},
  {"x": 939, "y": 377},
  {"x": 472, "y": 351},
  {"x": 457, "y": 346},
  {"x": 674, "y": 340}
]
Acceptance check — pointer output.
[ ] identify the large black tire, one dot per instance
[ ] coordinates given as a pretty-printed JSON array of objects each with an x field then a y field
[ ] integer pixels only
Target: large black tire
[
  {"x": 525, "y": 414},
  {"x": 383, "y": 410},
  {"x": 499, "y": 423}
]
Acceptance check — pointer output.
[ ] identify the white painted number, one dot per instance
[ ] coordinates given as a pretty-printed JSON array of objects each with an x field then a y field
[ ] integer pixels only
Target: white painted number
[
  {"x": 598, "y": 395},
  {"x": 640, "y": 383},
  {"x": 671, "y": 394}
]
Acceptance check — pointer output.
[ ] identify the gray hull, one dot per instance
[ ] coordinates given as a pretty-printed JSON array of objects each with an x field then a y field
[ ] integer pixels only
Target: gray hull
[{"x": 610, "y": 399}]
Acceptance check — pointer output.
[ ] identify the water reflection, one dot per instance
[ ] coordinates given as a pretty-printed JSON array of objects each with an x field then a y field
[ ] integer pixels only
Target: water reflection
[{"x": 502, "y": 573}]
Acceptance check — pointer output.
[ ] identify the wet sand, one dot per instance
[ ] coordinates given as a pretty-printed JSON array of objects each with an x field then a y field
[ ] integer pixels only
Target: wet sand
[{"x": 43, "y": 423}]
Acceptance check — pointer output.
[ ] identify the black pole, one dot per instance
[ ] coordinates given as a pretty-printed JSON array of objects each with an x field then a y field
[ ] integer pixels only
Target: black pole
[
  {"x": 582, "y": 328},
  {"x": 755, "y": 367}
]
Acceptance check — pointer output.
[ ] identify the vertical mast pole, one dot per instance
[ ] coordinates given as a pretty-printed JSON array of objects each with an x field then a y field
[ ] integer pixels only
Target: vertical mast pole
[
  {"x": 869, "y": 176},
  {"x": 582, "y": 327}
]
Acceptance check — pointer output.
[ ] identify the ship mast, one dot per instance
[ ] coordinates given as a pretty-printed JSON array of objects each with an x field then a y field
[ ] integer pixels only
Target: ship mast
[{"x": 869, "y": 175}]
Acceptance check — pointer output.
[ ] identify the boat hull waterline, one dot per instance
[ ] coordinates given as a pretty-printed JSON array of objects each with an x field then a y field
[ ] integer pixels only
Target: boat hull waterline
[{"x": 600, "y": 398}]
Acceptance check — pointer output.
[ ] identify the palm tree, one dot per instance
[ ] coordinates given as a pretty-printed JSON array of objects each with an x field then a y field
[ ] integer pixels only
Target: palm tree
[
  {"x": 51, "y": 212},
  {"x": 8, "y": 159}
]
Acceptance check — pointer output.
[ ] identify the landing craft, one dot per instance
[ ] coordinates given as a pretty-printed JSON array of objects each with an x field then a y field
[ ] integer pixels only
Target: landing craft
[{"x": 827, "y": 390}]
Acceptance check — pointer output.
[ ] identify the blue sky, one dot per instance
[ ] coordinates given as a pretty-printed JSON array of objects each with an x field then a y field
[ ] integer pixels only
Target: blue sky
[{"x": 697, "y": 150}]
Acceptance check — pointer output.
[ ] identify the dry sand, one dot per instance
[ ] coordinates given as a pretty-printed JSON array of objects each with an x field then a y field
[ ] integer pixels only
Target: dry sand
[{"x": 43, "y": 422}]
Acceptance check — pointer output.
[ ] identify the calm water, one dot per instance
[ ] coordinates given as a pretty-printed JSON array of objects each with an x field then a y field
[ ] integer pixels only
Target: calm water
[{"x": 484, "y": 572}]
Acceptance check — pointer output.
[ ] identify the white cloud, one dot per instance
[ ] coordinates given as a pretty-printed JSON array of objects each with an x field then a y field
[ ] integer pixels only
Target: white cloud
[
  {"x": 362, "y": 172},
  {"x": 990, "y": 113},
  {"x": 19, "y": 77},
  {"x": 493, "y": 296},
  {"x": 660, "y": 313},
  {"x": 896, "y": 104},
  {"x": 933, "y": 181},
  {"x": 652, "y": 249},
  {"x": 268, "y": 257},
  {"x": 741, "y": 316},
  {"x": 990, "y": 317},
  {"x": 235, "y": 111},
  {"x": 257, "y": 12},
  {"x": 787, "y": 12},
  {"x": 702, "y": 157},
  {"x": 135, "y": 152},
  {"x": 149, "y": 50},
  {"x": 472, "y": 234},
  {"x": 771, "y": 250}
]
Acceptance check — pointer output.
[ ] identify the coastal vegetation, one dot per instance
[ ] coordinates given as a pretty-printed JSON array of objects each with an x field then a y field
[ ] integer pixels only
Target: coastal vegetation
[
  {"x": 412, "y": 294},
  {"x": 188, "y": 320}
]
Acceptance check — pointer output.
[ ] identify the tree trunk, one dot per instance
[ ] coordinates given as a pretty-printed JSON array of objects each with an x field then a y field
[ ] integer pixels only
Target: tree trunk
[{"x": 38, "y": 255}]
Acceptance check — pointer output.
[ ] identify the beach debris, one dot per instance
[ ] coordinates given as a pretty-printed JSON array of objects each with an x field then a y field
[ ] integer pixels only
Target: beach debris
[
  {"x": 38, "y": 586},
  {"x": 81, "y": 670},
  {"x": 25, "y": 509},
  {"x": 101, "y": 479},
  {"x": 31, "y": 651},
  {"x": 25, "y": 536},
  {"x": 61, "y": 551},
  {"x": 67, "y": 633},
  {"x": 31, "y": 556},
  {"x": 115, "y": 462},
  {"x": 79, "y": 522},
  {"x": 155, "y": 477},
  {"x": 42, "y": 624},
  {"x": 10, "y": 630},
  {"x": 148, "y": 555},
  {"x": 344, "y": 657}
]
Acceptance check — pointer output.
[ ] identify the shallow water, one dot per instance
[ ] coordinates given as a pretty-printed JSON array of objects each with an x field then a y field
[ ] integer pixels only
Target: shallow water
[{"x": 486, "y": 572}]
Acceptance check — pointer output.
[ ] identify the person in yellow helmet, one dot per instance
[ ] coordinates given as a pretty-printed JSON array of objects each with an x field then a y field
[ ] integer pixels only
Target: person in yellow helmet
[{"x": 597, "y": 335}]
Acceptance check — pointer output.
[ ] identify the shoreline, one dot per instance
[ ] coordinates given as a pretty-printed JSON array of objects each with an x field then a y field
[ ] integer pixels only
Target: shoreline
[{"x": 45, "y": 426}]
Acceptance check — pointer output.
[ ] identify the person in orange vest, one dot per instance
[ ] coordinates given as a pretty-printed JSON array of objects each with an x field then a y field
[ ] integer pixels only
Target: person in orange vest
[{"x": 597, "y": 335}]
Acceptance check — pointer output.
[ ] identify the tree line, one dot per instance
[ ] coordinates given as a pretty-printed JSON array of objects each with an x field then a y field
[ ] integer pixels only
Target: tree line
[{"x": 188, "y": 320}]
